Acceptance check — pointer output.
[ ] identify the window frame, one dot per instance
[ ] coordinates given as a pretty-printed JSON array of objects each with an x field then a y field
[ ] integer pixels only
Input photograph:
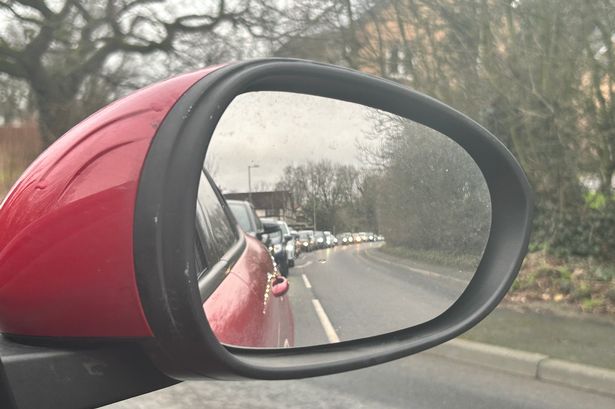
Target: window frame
[{"x": 204, "y": 232}]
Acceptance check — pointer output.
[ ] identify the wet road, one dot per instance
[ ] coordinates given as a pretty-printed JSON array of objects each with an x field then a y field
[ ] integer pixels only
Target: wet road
[
  {"x": 353, "y": 290},
  {"x": 362, "y": 295},
  {"x": 421, "y": 381}
]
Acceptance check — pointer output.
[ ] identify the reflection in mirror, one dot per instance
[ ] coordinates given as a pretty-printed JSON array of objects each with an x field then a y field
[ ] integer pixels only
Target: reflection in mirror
[{"x": 384, "y": 220}]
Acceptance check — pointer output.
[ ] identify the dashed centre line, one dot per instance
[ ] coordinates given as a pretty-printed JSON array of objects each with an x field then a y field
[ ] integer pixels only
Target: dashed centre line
[{"x": 306, "y": 281}]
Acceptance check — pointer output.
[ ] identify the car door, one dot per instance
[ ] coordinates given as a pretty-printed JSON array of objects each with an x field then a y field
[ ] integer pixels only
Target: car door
[{"x": 243, "y": 308}]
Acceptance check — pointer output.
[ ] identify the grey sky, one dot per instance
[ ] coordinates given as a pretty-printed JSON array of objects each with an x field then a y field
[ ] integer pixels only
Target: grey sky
[{"x": 277, "y": 129}]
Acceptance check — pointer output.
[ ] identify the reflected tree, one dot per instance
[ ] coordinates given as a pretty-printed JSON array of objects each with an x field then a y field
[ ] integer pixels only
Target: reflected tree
[
  {"x": 430, "y": 195},
  {"x": 327, "y": 190}
]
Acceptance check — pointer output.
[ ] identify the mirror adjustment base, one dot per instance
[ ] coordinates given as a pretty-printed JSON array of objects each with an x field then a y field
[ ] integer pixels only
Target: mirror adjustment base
[{"x": 34, "y": 375}]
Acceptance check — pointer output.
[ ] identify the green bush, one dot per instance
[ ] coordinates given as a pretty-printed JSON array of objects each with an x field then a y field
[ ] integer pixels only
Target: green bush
[
  {"x": 526, "y": 282},
  {"x": 592, "y": 304},
  {"x": 581, "y": 292},
  {"x": 596, "y": 200},
  {"x": 589, "y": 233},
  {"x": 565, "y": 286},
  {"x": 605, "y": 272}
]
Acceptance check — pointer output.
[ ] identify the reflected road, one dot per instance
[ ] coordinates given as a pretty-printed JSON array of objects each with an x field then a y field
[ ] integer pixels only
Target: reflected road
[{"x": 364, "y": 294}]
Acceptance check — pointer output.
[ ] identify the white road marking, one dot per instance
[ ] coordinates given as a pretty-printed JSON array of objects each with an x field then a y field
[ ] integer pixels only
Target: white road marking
[
  {"x": 304, "y": 265},
  {"x": 306, "y": 281},
  {"x": 324, "y": 321},
  {"x": 414, "y": 269}
]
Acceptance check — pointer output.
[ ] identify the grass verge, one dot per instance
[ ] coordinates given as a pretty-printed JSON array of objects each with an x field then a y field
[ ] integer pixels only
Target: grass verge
[
  {"x": 464, "y": 261},
  {"x": 582, "y": 284},
  {"x": 576, "y": 337}
]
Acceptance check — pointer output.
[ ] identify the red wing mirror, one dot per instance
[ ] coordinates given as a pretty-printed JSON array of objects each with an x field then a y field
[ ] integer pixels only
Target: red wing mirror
[
  {"x": 404, "y": 208},
  {"x": 66, "y": 227}
]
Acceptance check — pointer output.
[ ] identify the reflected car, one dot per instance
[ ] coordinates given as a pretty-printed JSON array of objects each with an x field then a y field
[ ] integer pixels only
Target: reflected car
[
  {"x": 342, "y": 239},
  {"x": 276, "y": 242},
  {"x": 291, "y": 253},
  {"x": 306, "y": 239},
  {"x": 246, "y": 217},
  {"x": 272, "y": 326},
  {"x": 242, "y": 295},
  {"x": 296, "y": 243},
  {"x": 330, "y": 240},
  {"x": 320, "y": 239},
  {"x": 345, "y": 238}
]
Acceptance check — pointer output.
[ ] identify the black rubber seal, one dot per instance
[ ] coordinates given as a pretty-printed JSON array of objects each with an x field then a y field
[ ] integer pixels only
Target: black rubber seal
[{"x": 184, "y": 345}]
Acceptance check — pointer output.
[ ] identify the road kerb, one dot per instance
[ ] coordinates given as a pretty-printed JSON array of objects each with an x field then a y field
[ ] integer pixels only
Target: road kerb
[
  {"x": 492, "y": 356},
  {"x": 577, "y": 375},
  {"x": 534, "y": 365},
  {"x": 530, "y": 364}
]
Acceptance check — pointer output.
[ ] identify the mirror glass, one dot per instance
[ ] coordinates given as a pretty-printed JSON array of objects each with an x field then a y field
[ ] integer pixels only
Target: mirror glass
[{"x": 382, "y": 221}]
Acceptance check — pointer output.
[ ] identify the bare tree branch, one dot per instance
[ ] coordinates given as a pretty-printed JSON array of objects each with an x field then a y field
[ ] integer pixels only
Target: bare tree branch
[
  {"x": 21, "y": 17},
  {"x": 68, "y": 43},
  {"x": 12, "y": 69},
  {"x": 38, "y": 5}
]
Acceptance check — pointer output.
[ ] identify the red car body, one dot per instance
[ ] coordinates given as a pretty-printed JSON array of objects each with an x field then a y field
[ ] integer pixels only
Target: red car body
[
  {"x": 243, "y": 305},
  {"x": 68, "y": 224}
]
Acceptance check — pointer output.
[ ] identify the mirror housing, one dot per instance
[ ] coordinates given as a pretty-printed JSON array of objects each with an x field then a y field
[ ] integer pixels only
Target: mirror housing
[
  {"x": 177, "y": 154},
  {"x": 66, "y": 226},
  {"x": 105, "y": 218}
]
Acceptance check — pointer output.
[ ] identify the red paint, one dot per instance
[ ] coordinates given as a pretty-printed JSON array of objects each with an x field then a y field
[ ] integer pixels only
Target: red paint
[
  {"x": 66, "y": 254},
  {"x": 243, "y": 311}
]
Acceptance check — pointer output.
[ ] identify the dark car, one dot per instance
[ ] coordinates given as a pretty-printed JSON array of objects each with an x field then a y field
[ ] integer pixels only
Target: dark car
[
  {"x": 290, "y": 246},
  {"x": 306, "y": 239},
  {"x": 276, "y": 241},
  {"x": 269, "y": 232}
]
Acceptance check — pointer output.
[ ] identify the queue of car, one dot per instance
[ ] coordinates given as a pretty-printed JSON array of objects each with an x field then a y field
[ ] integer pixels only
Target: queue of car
[
  {"x": 356, "y": 238},
  {"x": 285, "y": 244}
]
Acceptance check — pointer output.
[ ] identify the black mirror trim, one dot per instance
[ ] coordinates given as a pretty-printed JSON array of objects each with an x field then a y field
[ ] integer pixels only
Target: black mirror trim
[{"x": 185, "y": 346}]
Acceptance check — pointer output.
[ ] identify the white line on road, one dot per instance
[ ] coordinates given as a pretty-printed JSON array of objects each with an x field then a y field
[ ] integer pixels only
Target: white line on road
[
  {"x": 324, "y": 321},
  {"x": 306, "y": 281},
  {"x": 413, "y": 269},
  {"x": 304, "y": 265}
]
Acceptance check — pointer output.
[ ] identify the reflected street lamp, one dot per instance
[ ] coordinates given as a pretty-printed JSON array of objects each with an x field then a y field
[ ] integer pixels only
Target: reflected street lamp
[{"x": 250, "y": 167}]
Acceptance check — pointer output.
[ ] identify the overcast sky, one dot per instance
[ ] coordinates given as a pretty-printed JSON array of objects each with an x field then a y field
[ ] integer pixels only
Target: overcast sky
[{"x": 277, "y": 129}]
